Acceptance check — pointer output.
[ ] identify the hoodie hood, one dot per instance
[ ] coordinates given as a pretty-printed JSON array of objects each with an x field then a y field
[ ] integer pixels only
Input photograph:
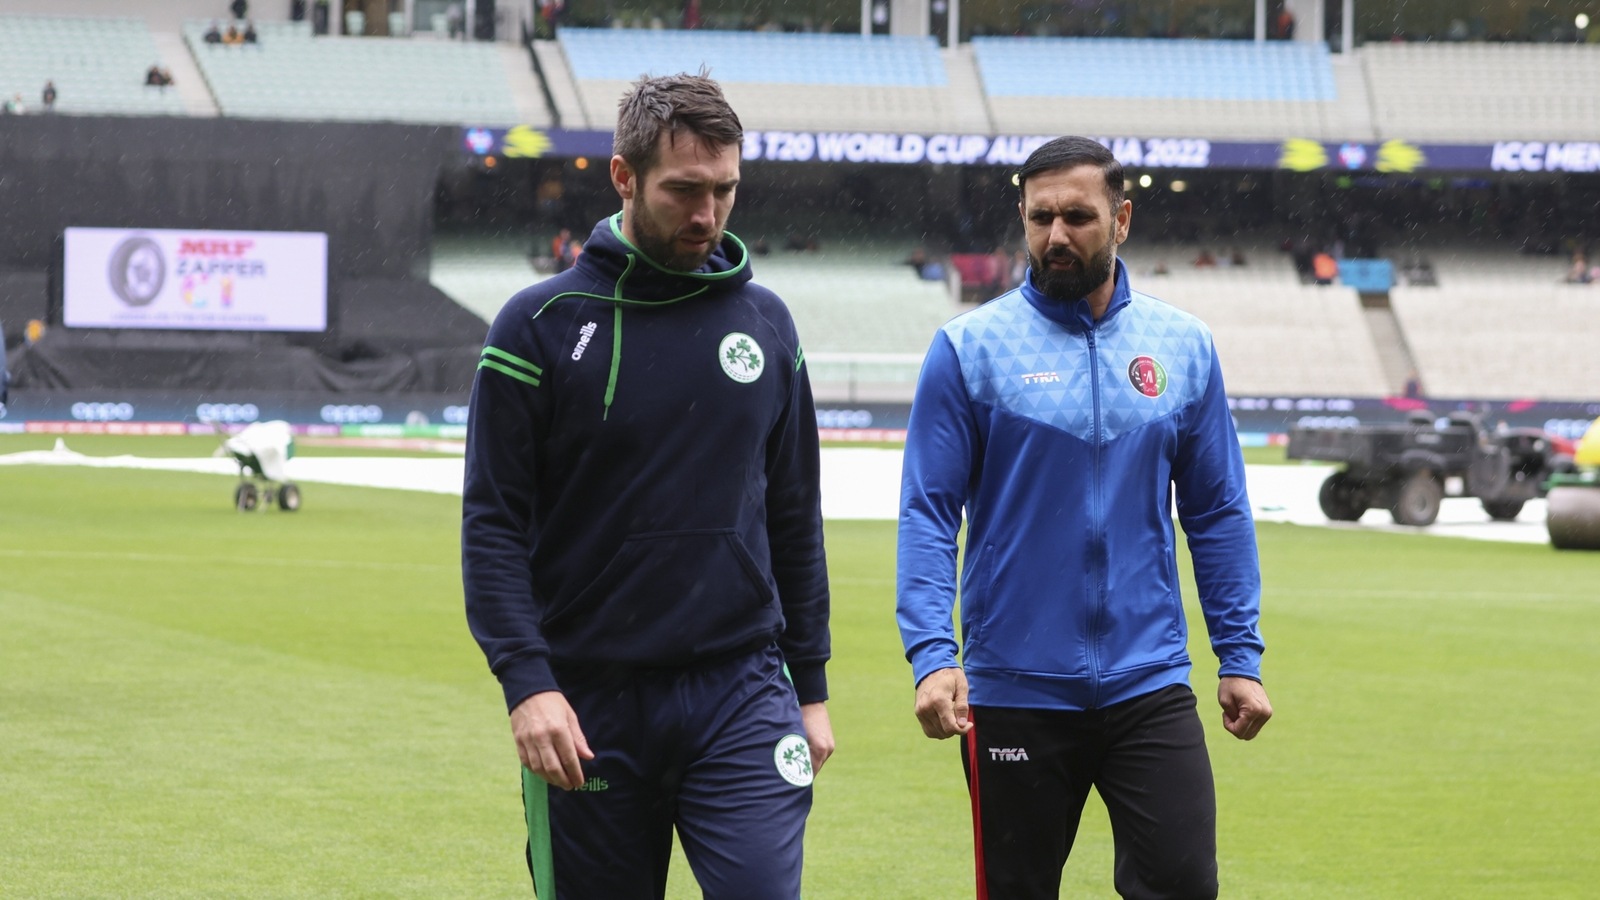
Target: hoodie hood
[
  {"x": 632, "y": 279},
  {"x": 1075, "y": 314},
  {"x": 611, "y": 258}
]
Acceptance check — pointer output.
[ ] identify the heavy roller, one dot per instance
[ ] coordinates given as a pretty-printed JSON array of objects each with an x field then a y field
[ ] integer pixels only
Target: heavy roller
[{"x": 1574, "y": 499}]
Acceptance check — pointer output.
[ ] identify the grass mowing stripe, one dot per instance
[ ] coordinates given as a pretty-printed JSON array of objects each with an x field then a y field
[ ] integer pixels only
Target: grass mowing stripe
[
  {"x": 191, "y": 559},
  {"x": 143, "y": 761}
]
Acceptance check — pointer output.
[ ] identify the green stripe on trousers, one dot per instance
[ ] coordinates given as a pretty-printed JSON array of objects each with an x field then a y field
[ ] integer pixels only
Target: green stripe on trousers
[{"x": 536, "y": 804}]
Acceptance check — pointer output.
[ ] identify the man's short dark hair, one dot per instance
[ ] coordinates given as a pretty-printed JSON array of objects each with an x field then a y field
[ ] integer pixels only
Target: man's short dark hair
[
  {"x": 672, "y": 103},
  {"x": 1070, "y": 152}
]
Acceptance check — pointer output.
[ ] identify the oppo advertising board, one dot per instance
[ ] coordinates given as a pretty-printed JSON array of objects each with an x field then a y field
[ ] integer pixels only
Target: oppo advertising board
[{"x": 195, "y": 280}]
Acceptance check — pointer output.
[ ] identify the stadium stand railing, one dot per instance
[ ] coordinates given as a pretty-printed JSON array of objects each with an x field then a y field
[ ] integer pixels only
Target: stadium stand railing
[
  {"x": 290, "y": 74},
  {"x": 98, "y": 65}
]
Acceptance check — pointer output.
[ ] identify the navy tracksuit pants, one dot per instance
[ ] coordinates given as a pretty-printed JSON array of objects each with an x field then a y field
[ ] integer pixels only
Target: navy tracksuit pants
[
  {"x": 1029, "y": 772},
  {"x": 717, "y": 752}
]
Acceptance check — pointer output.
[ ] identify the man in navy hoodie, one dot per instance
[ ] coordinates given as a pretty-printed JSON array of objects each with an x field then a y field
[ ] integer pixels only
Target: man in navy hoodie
[
  {"x": 642, "y": 534},
  {"x": 1063, "y": 417}
]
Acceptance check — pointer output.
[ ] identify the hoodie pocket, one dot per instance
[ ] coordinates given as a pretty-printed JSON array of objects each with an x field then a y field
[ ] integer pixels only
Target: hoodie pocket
[
  {"x": 668, "y": 596},
  {"x": 979, "y": 583}
]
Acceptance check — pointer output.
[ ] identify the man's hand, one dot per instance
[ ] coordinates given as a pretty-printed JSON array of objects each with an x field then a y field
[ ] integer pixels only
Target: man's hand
[
  {"x": 549, "y": 741},
  {"x": 1245, "y": 707},
  {"x": 819, "y": 733},
  {"x": 942, "y": 703}
]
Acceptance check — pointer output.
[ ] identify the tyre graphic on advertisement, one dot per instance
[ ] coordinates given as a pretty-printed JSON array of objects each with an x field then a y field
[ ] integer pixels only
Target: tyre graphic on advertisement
[{"x": 137, "y": 271}]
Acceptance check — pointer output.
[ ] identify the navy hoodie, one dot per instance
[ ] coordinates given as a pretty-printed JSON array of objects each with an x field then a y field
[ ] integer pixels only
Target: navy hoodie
[{"x": 642, "y": 475}]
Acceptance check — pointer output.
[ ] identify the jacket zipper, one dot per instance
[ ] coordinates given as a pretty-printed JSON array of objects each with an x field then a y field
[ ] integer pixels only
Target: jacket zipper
[{"x": 1097, "y": 600}]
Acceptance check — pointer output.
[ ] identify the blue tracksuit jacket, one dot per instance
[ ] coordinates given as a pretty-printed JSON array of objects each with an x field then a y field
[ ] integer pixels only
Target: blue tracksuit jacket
[
  {"x": 1063, "y": 439},
  {"x": 642, "y": 475}
]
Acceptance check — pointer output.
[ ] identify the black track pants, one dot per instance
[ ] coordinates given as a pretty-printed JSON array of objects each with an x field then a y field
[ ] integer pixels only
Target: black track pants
[{"x": 1029, "y": 772}]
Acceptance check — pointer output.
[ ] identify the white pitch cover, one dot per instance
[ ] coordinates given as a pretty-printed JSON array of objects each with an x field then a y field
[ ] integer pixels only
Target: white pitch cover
[{"x": 195, "y": 280}]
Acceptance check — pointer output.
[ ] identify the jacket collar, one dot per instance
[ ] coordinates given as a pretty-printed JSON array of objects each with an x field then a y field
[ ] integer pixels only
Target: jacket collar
[
  {"x": 612, "y": 258},
  {"x": 1075, "y": 314}
]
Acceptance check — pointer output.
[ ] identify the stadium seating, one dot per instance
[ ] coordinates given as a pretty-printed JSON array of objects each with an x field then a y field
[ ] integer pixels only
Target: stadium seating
[
  {"x": 1276, "y": 336},
  {"x": 1500, "y": 325},
  {"x": 481, "y": 272},
  {"x": 292, "y": 75},
  {"x": 1475, "y": 92},
  {"x": 777, "y": 80},
  {"x": 98, "y": 65},
  {"x": 1482, "y": 341},
  {"x": 1112, "y": 86},
  {"x": 1162, "y": 69}
]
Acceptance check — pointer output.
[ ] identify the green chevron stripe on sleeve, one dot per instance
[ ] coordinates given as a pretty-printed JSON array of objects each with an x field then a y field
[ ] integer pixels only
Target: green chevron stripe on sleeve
[
  {"x": 799, "y": 358},
  {"x": 515, "y": 366},
  {"x": 520, "y": 376},
  {"x": 517, "y": 361}
]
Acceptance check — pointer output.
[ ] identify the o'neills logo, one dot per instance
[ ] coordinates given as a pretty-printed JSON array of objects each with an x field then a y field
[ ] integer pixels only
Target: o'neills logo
[
  {"x": 584, "y": 334},
  {"x": 1147, "y": 376}
]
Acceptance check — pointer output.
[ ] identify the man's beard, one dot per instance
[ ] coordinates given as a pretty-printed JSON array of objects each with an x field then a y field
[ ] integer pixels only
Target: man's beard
[
  {"x": 1071, "y": 284},
  {"x": 662, "y": 247}
]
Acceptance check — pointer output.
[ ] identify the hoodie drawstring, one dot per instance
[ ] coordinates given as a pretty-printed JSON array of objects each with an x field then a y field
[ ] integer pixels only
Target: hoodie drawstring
[{"x": 616, "y": 357}]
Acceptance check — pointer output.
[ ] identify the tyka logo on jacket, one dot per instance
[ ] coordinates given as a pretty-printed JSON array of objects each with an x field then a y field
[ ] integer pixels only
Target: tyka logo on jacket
[
  {"x": 584, "y": 334},
  {"x": 1008, "y": 754},
  {"x": 1147, "y": 376}
]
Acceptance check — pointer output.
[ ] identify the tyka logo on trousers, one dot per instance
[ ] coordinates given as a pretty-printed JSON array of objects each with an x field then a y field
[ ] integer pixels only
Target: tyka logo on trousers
[{"x": 1008, "y": 754}]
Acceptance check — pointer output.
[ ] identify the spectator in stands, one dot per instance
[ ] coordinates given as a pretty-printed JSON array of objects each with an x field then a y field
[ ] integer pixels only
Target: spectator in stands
[
  {"x": 49, "y": 96},
  {"x": 1283, "y": 24},
  {"x": 558, "y": 249},
  {"x": 15, "y": 106},
  {"x": 213, "y": 35},
  {"x": 157, "y": 77},
  {"x": 1002, "y": 271},
  {"x": 232, "y": 37},
  {"x": 761, "y": 247},
  {"x": 456, "y": 17},
  {"x": 916, "y": 260},
  {"x": 239, "y": 8},
  {"x": 1205, "y": 260},
  {"x": 250, "y": 36},
  {"x": 297, "y": 10},
  {"x": 1324, "y": 268},
  {"x": 1578, "y": 272},
  {"x": 550, "y": 18},
  {"x": 1236, "y": 258},
  {"x": 800, "y": 243},
  {"x": 1413, "y": 388}
]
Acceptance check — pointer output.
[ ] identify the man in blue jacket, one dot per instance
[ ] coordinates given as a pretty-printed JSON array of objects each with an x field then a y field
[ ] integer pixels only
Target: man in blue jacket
[
  {"x": 1062, "y": 417},
  {"x": 642, "y": 535}
]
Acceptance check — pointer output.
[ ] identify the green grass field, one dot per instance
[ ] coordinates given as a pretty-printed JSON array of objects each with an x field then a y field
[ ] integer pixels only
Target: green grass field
[{"x": 196, "y": 702}]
